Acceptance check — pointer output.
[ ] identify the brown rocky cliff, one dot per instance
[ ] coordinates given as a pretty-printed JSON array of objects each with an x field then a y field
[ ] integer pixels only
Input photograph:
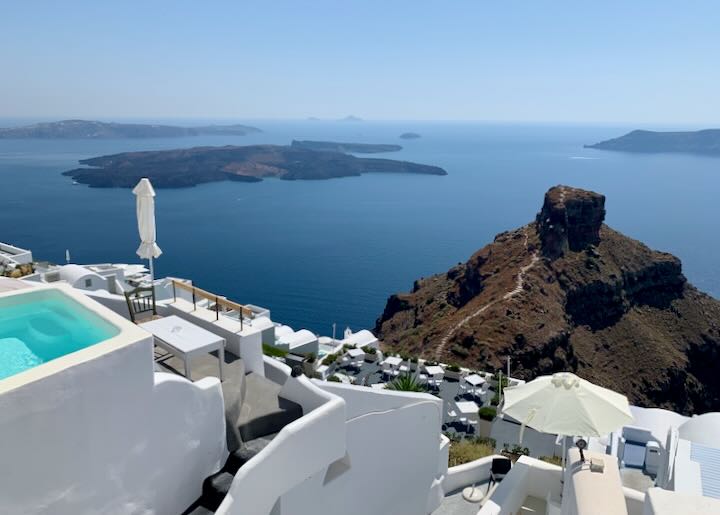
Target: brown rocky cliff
[{"x": 568, "y": 293}]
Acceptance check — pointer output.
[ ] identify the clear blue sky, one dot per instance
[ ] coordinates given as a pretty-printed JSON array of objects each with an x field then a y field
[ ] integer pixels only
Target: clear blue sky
[{"x": 605, "y": 61}]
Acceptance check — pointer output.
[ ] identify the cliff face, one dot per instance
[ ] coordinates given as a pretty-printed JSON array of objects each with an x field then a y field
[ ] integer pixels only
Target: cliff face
[{"x": 568, "y": 293}]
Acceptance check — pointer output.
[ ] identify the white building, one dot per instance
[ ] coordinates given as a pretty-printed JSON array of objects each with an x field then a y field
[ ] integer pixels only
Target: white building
[{"x": 12, "y": 255}]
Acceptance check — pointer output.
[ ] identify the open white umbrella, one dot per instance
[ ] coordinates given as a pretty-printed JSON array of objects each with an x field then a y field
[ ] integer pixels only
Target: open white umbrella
[
  {"x": 567, "y": 405},
  {"x": 145, "y": 207}
]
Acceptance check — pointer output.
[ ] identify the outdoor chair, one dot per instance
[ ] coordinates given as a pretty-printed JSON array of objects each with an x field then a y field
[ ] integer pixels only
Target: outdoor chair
[
  {"x": 472, "y": 424},
  {"x": 141, "y": 300},
  {"x": 498, "y": 470}
]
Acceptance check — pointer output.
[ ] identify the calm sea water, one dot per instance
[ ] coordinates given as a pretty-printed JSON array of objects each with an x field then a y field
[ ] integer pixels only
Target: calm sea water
[{"x": 332, "y": 251}]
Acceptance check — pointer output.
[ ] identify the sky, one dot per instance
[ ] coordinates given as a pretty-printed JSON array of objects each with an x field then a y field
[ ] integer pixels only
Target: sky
[{"x": 535, "y": 61}]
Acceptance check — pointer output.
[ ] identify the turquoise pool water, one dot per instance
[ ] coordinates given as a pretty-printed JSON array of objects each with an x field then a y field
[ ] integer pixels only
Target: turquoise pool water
[{"x": 37, "y": 327}]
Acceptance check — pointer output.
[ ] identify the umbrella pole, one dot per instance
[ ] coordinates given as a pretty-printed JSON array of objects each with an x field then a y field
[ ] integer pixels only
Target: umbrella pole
[
  {"x": 152, "y": 273},
  {"x": 563, "y": 457}
]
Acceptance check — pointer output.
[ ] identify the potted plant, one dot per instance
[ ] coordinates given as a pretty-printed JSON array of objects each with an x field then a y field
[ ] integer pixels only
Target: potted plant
[
  {"x": 309, "y": 364},
  {"x": 486, "y": 415},
  {"x": 371, "y": 354},
  {"x": 453, "y": 371}
]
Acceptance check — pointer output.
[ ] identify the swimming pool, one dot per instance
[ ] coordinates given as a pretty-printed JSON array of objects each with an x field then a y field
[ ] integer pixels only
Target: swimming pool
[{"x": 39, "y": 326}]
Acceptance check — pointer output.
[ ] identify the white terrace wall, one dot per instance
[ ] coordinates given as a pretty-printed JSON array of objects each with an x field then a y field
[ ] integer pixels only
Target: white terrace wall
[
  {"x": 109, "y": 436},
  {"x": 393, "y": 457},
  {"x": 301, "y": 449}
]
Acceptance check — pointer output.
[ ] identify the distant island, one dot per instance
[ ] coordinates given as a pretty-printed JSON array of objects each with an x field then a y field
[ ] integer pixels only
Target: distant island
[
  {"x": 189, "y": 167},
  {"x": 334, "y": 146},
  {"x": 409, "y": 135},
  {"x": 693, "y": 142},
  {"x": 351, "y": 118},
  {"x": 84, "y": 129}
]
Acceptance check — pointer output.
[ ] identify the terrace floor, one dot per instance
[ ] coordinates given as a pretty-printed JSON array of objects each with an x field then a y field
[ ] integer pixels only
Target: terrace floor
[{"x": 454, "y": 504}]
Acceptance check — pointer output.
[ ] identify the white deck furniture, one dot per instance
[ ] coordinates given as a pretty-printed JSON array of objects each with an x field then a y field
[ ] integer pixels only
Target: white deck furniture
[
  {"x": 356, "y": 357},
  {"x": 474, "y": 381},
  {"x": 184, "y": 339},
  {"x": 468, "y": 410},
  {"x": 435, "y": 371},
  {"x": 392, "y": 361}
]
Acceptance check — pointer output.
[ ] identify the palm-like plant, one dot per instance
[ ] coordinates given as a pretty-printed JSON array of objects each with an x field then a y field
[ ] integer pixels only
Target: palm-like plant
[{"x": 406, "y": 383}]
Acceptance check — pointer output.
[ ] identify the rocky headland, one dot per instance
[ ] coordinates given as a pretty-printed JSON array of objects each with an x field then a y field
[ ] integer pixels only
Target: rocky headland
[
  {"x": 84, "y": 129},
  {"x": 567, "y": 292},
  {"x": 251, "y": 163},
  {"x": 692, "y": 142},
  {"x": 409, "y": 135}
]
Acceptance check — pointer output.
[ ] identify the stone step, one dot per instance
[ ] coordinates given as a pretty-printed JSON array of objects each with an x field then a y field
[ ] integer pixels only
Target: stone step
[
  {"x": 215, "y": 488},
  {"x": 247, "y": 451},
  {"x": 263, "y": 411}
]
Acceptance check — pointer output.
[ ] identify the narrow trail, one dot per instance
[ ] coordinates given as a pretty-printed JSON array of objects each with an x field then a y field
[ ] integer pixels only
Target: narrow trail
[{"x": 520, "y": 283}]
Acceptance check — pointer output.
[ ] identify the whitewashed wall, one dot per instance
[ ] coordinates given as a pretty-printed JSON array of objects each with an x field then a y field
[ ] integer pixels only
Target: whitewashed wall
[
  {"x": 392, "y": 458},
  {"x": 109, "y": 436},
  {"x": 304, "y": 447}
]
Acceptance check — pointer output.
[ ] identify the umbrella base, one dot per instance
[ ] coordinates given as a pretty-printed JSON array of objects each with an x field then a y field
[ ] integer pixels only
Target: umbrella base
[{"x": 472, "y": 494}]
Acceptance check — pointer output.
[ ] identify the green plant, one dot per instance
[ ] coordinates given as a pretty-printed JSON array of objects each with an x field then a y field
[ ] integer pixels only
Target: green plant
[
  {"x": 330, "y": 359},
  {"x": 516, "y": 449},
  {"x": 486, "y": 440},
  {"x": 413, "y": 360},
  {"x": 487, "y": 413},
  {"x": 496, "y": 399},
  {"x": 369, "y": 350},
  {"x": 311, "y": 357},
  {"x": 406, "y": 383},
  {"x": 347, "y": 346},
  {"x": 453, "y": 368},
  {"x": 269, "y": 350},
  {"x": 431, "y": 363},
  {"x": 334, "y": 379},
  {"x": 468, "y": 450},
  {"x": 555, "y": 460}
]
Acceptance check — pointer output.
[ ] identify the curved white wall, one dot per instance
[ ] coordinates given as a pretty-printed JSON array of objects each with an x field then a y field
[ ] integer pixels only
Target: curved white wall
[
  {"x": 109, "y": 436},
  {"x": 392, "y": 458},
  {"x": 304, "y": 447}
]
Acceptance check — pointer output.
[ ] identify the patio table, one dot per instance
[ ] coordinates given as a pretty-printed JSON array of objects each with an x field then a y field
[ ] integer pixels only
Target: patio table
[
  {"x": 184, "y": 339},
  {"x": 474, "y": 380},
  {"x": 434, "y": 370},
  {"x": 356, "y": 353},
  {"x": 392, "y": 361},
  {"x": 468, "y": 409}
]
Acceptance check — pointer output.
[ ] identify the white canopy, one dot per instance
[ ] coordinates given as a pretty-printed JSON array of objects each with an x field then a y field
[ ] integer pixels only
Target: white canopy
[
  {"x": 145, "y": 207},
  {"x": 565, "y": 404}
]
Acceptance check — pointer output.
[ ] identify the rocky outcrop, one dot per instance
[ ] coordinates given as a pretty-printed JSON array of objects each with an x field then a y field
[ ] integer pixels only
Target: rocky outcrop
[
  {"x": 570, "y": 219},
  {"x": 566, "y": 292}
]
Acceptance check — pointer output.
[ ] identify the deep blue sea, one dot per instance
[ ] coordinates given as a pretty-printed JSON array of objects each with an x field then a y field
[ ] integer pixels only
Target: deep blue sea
[{"x": 332, "y": 251}]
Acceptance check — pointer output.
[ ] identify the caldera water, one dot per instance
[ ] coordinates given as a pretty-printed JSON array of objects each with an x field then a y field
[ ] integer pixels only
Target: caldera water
[{"x": 322, "y": 252}]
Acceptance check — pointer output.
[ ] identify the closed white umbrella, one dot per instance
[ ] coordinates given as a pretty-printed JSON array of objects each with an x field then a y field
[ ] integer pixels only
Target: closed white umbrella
[
  {"x": 145, "y": 208},
  {"x": 564, "y": 404}
]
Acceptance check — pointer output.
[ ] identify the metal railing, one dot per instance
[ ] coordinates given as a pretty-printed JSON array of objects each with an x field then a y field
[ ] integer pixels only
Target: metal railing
[{"x": 219, "y": 302}]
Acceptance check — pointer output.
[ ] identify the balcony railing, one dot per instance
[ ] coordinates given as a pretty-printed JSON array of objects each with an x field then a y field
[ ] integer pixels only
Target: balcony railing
[{"x": 220, "y": 303}]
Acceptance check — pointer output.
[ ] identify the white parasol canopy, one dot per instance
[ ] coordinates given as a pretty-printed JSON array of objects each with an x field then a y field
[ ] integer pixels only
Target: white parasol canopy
[
  {"x": 567, "y": 405},
  {"x": 145, "y": 207}
]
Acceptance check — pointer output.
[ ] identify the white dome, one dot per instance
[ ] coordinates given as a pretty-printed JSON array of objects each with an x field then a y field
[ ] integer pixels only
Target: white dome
[{"x": 703, "y": 429}]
